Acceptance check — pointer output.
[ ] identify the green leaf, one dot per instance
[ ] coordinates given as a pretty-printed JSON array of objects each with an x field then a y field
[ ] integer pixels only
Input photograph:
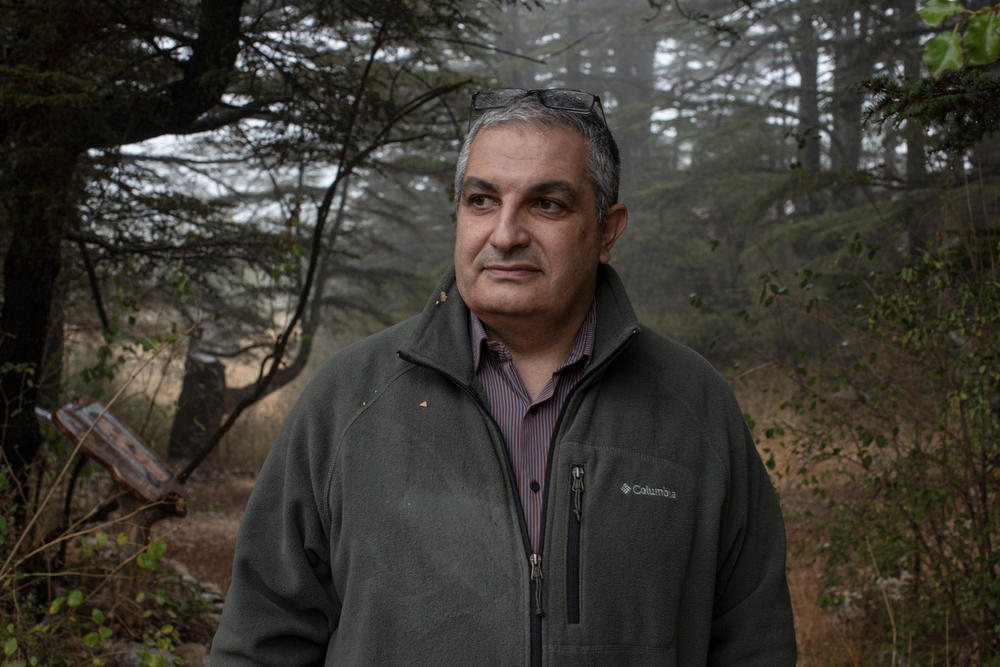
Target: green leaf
[
  {"x": 982, "y": 39},
  {"x": 150, "y": 343},
  {"x": 151, "y": 557},
  {"x": 56, "y": 605},
  {"x": 157, "y": 548},
  {"x": 944, "y": 52},
  {"x": 936, "y": 11},
  {"x": 10, "y": 646},
  {"x": 75, "y": 598}
]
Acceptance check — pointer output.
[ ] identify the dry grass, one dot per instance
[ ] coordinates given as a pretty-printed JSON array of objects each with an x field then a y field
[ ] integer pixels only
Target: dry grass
[
  {"x": 152, "y": 383},
  {"x": 824, "y": 637},
  {"x": 246, "y": 445}
]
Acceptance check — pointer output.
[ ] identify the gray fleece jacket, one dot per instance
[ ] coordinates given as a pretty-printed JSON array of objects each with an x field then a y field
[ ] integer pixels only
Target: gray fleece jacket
[{"x": 385, "y": 527}]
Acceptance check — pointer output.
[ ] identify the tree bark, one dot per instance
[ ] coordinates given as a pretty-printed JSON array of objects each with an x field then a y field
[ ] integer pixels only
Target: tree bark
[
  {"x": 806, "y": 61},
  {"x": 39, "y": 202},
  {"x": 852, "y": 58},
  {"x": 852, "y": 61},
  {"x": 200, "y": 406},
  {"x": 633, "y": 86},
  {"x": 914, "y": 133}
]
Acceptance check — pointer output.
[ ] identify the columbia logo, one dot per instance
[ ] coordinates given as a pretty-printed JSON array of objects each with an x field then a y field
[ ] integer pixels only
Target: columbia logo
[{"x": 643, "y": 490}]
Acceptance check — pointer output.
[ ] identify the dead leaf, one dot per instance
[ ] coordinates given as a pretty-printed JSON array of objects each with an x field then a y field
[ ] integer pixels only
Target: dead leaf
[{"x": 423, "y": 404}]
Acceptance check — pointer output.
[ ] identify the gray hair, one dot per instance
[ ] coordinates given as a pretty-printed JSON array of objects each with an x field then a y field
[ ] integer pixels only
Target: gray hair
[{"x": 603, "y": 160}]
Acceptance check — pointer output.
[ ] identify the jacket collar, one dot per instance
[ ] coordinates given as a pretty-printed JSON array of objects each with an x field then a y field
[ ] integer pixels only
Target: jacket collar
[{"x": 441, "y": 335}]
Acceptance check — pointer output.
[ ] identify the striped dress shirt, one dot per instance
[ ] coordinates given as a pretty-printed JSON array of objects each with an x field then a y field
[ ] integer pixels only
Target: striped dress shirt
[{"x": 527, "y": 425}]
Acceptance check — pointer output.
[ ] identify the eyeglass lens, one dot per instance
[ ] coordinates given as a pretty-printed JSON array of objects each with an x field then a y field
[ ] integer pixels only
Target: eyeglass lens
[{"x": 565, "y": 99}]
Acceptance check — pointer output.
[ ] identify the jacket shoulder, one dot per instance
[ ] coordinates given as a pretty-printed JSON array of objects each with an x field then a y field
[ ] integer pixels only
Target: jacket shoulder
[
  {"x": 373, "y": 360},
  {"x": 678, "y": 368}
]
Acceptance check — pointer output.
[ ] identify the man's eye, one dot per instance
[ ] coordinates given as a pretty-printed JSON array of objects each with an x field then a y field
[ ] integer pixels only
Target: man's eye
[
  {"x": 549, "y": 206},
  {"x": 478, "y": 201}
]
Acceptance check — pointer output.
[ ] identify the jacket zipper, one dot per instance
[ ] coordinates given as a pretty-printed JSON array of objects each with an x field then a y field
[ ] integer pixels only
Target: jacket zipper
[
  {"x": 536, "y": 578},
  {"x": 536, "y": 618},
  {"x": 585, "y": 381},
  {"x": 575, "y": 520},
  {"x": 534, "y": 559}
]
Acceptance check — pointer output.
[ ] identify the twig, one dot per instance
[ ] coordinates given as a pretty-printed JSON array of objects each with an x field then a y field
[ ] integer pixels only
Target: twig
[
  {"x": 69, "y": 460},
  {"x": 885, "y": 599}
]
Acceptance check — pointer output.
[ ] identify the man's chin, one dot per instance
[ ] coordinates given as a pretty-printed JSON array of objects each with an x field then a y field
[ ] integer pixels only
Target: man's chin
[{"x": 486, "y": 309}]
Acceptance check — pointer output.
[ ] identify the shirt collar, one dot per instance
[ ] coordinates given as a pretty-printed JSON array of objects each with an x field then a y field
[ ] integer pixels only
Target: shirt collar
[{"x": 582, "y": 348}]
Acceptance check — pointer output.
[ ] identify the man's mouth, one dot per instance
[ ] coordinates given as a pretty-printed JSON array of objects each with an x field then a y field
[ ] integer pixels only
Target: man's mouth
[{"x": 510, "y": 271}]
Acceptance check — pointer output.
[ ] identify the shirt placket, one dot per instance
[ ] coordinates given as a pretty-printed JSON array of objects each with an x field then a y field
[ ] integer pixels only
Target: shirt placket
[
  {"x": 529, "y": 448},
  {"x": 525, "y": 424}
]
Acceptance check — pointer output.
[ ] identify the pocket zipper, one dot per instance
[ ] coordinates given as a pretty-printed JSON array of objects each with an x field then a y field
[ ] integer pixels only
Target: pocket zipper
[{"x": 575, "y": 519}]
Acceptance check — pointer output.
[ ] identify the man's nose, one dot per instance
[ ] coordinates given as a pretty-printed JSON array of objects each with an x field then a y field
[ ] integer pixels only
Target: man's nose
[{"x": 509, "y": 231}]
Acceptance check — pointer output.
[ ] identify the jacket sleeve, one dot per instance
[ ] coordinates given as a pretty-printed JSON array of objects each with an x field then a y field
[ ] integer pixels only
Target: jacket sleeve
[
  {"x": 752, "y": 620},
  {"x": 281, "y": 607}
]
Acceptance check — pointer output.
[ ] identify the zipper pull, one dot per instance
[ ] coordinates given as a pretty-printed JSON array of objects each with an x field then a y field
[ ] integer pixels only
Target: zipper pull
[
  {"x": 536, "y": 576},
  {"x": 578, "y": 492}
]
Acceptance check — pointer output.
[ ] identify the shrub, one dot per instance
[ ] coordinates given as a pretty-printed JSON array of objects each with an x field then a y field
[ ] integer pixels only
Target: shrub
[{"x": 896, "y": 430}]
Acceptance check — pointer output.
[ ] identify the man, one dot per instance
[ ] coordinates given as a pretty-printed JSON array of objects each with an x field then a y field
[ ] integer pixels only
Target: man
[{"x": 521, "y": 474}]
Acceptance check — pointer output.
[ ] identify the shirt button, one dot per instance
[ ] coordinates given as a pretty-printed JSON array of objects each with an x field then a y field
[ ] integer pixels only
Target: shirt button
[
  {"x": 533, "y": 410},
  {"x": 535, "y": 486}
]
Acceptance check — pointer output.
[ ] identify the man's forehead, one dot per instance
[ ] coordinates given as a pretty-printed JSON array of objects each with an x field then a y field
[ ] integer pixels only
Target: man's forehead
[
  {"x": 527, "y": 153},
  {"x": 544, "y": 133}
]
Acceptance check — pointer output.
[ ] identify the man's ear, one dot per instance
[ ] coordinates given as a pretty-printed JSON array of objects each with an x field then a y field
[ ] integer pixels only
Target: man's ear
[{"x": 612, "y": 228}]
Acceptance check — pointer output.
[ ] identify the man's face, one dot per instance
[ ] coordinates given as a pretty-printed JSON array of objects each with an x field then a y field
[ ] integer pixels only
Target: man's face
[{"x": 527, "y": 242}]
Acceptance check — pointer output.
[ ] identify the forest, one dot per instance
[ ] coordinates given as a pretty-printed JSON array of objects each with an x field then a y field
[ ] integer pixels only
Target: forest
[{"x": 201, "y": 201}]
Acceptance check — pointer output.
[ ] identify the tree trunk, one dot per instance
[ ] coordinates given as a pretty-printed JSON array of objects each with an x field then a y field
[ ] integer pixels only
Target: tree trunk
[
  {"x": 633, "y": 87},
  {"x": 38, "y": 202},
  {"x": 50, "y": 382},
  {"x": 913, "y": 131},
  {"x": 574, "y": 76},
  {"x": 806, "y": 59},
  {"x": 850, "y": 57},
  {"x": 200, "y": 406},
  {"x": 513, "y": 71}
]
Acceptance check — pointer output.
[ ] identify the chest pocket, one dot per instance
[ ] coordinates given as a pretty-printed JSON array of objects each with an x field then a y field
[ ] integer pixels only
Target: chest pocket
[{"x": 622, "y": 525}]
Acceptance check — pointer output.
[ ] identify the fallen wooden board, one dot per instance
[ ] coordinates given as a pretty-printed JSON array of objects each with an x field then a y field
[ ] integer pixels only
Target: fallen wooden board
[{"x": 135, "y": 467}]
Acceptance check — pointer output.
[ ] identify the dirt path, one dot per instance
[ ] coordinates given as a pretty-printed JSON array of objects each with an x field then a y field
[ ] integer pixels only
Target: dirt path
[{"x": 203, "y": 541}]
